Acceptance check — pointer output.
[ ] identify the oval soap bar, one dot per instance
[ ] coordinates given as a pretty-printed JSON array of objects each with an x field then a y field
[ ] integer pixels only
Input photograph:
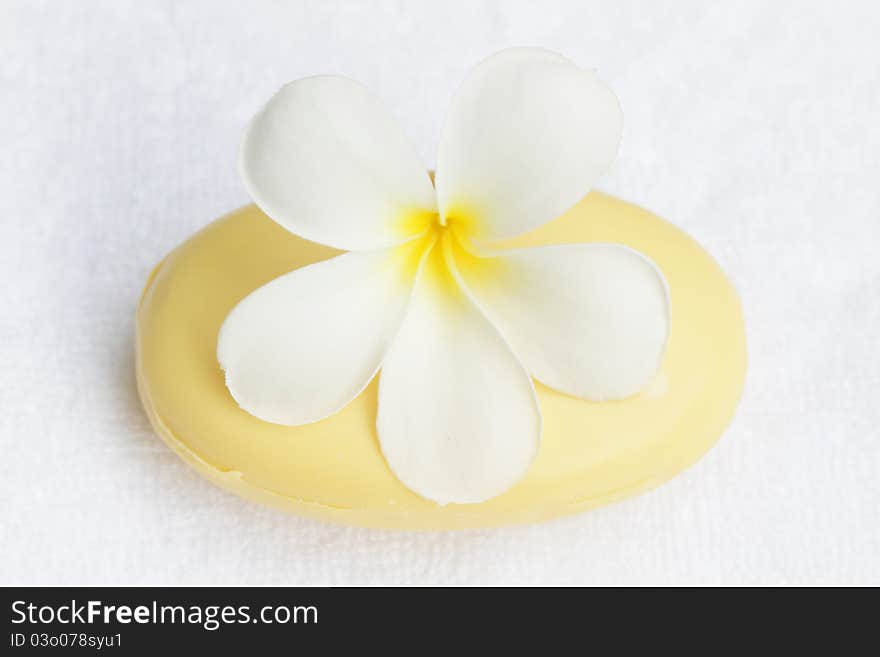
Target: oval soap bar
[{"x": 592, "y": 453}]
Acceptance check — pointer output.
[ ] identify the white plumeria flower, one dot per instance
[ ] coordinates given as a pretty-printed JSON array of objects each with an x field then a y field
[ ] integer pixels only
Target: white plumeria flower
[{"x": 457, "y": 330}]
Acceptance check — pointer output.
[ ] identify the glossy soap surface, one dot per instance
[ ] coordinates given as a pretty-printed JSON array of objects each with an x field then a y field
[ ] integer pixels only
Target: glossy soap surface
[{"x": 591, "y": 453}]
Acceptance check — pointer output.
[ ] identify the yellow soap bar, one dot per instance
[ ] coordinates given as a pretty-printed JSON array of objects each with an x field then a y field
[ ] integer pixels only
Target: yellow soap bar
[{"x": 591, "y": 453}]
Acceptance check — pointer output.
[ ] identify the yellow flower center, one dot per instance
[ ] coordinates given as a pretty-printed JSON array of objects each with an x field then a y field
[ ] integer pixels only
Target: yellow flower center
[{"x": 443, "y": 247}]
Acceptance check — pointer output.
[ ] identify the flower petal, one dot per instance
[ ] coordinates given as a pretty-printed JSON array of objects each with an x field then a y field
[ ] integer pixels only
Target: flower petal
[
  {"x": 526, "y": 137},
  {"x": 325, "y": 160},
  {"x": 458, "y": 416},
  {"x": 302, "y": 346},
  {"x": 589, "y": 320}
]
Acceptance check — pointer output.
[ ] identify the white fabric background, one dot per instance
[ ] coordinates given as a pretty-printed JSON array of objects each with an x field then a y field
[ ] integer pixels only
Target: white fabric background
[{"x": 752, "y": 125}]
